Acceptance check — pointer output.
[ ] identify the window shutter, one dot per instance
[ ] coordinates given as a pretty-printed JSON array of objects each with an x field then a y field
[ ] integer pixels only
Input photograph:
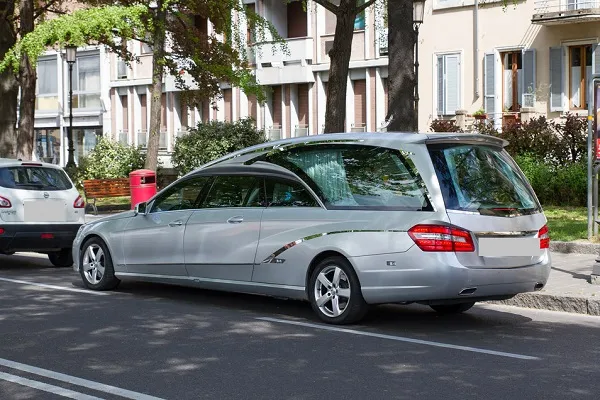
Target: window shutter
[
  {"x": 528, "y": 78},
  {"x": 452, "y": 83},
  {"x": 441, "y": 95},
  {"x": 556, "y": 79},
  {"x": 489, "y": 90},
  {"x": 596, "y": 60}
]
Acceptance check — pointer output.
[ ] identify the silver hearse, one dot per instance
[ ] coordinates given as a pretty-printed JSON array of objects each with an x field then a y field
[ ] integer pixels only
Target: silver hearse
[{"x": 344, "y": 221}]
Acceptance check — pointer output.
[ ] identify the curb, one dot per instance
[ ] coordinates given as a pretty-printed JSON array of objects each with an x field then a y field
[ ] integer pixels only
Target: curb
[
  {"x": 578, "y": 305},
  {"x": 575, "y": 247}
]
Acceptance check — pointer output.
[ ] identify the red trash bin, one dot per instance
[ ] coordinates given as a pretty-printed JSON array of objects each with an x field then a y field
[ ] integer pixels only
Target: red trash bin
[{"x": 142, "y": 184}]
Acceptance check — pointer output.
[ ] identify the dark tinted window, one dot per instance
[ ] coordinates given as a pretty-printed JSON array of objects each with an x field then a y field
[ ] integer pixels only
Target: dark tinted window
[
  {"x": 34, "y": 178},
  {"x": 182, "y": 196},
  {"x": 284, "y": 193},
  {"x": 353, "y": 176},
  {"x": 481, "y": 178},
  {"x": 235, "y": 191}
]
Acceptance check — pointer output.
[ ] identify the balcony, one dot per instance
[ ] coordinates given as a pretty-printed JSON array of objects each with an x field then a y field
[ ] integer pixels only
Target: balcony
[
  {"x": 123, "y": 137},
  {"x": 277, "y": 65},
  {"x": 142, "y": 139},
  {"x": 555, "y": 12}
]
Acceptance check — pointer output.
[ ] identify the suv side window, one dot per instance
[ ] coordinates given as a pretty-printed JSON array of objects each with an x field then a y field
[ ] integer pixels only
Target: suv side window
[
  {"x": 235, "y": 191},
  {"x": 182, "y": 196},
  {"x": 285, "y": 193}
]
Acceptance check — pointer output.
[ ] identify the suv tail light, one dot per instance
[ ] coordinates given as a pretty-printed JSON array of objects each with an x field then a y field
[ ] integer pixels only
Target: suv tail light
[
  {"x": 441, "y": 238},
  {"x": 5, "y": 203},
  {"x": 544, "y": 236},
  {"x": 79, "y": 203}
]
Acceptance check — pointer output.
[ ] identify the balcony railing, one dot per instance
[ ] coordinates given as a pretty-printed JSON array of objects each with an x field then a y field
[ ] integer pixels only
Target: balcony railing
[
  {"x": 274, "y": 133},
  {"x": 301, "y": 130},
  {"x": 298, "y": 49},
  {"x": 123, "y": 137},
  {"x": 551, "y": 12},
  {"x": 358, "y": 128},
  {"x": 142, "y": 137},
  {"x": 551, "y": 6}
]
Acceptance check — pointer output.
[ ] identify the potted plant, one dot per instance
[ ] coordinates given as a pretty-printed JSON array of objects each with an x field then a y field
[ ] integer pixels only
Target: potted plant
[{"x": 480, "y": 114}]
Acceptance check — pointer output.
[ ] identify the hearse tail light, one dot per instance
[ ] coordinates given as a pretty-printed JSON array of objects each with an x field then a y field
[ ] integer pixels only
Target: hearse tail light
[
  {"x": 79, "y": 203},
  {"x": 544, "y": 236},
  {"x": 5, "y": 203},
  {"x": 441, "y": 238}
]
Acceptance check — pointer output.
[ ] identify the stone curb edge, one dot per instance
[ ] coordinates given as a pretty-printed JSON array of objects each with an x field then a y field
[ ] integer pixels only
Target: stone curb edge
[
  {"x": 575, "y": 247},
  {"x": 578, "y": 305}
]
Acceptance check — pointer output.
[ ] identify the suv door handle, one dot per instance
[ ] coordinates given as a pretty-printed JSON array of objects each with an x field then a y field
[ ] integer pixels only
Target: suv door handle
[
  {"x": 236, "y": 220},
  {"x": 176, "y": 223}
]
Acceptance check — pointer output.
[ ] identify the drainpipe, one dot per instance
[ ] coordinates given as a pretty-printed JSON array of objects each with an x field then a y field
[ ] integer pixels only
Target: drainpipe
[{"x": 476, "y": 46}]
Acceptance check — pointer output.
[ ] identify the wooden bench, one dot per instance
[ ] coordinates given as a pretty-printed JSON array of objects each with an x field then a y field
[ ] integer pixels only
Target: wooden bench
[{"x": 103, "y": 188}]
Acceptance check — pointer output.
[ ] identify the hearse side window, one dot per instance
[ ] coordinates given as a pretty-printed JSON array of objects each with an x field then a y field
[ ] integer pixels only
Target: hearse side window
[{"x": 357, "y": 176}]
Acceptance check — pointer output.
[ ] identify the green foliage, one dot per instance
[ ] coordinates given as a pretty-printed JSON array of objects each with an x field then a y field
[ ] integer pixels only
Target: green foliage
[
  {"x": 109, "y": 159},
  {"x": 564, "y": 185},
  {"x": 444, "y": 125},
  {"x": 212, "y": 140},
  {"x": 86, "y": 26}
]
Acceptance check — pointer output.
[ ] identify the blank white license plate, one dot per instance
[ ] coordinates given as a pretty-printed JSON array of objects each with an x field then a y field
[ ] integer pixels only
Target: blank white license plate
[
  {"x": 45, "y": 211},
  {"x": 509, "y": 247}
]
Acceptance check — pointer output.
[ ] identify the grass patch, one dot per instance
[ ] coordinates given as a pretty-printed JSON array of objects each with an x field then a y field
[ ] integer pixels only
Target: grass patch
[{"x": 567, "y": 223}]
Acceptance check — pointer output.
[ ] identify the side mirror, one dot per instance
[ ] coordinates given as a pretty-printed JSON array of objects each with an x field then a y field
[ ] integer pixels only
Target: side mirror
[{"x": 141, "y": 208}]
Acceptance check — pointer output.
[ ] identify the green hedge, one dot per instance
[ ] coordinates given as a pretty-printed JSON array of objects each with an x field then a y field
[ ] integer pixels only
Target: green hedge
[{"x": 209, "y": 141}]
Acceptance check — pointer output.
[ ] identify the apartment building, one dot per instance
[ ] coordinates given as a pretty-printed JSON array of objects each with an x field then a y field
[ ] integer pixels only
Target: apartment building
[
  {"x": 535, "y": 57},
  {"x": 295, "y": 81}
]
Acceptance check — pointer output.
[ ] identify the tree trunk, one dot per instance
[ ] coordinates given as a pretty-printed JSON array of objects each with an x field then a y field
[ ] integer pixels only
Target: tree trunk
[
  {"x": 25, "y": 137},
  {"x": 401, "y": 71},
  {"x": 339, "y": 55},
  {"x": 158, "y": 58},
  {"x": 9, "y": 88}
]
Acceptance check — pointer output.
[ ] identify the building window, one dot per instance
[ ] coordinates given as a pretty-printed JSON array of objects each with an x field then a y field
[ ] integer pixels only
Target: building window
[
  {"x": 47, "y": 85},
  {"x": 121, "y": 69},
  {"x": 512, "y": 77},
  {"x": 580, "y": 75},
  {"x": 448, "y": 83},
  {"x": 47, "y": 145},
  {"x": 296, "y": 20},
  {"x": 84, "y": 141},
  {"x": 86, "y": 82},
  {"x": 359, "y": 21}
]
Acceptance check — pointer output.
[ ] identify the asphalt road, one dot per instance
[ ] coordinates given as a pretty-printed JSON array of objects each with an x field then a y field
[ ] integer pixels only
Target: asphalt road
[{"x": 149, "y": 341}]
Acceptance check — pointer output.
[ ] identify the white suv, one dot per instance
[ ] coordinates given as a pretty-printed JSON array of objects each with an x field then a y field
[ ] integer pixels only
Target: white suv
[{"x": 40, "y": 210}]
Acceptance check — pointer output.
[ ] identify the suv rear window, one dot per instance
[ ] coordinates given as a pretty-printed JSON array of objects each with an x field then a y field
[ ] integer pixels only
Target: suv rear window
[
  {"x": 34, "y": 178},
  {"x": 358, "y": 176},
  {"x": 482, "y": 179}
]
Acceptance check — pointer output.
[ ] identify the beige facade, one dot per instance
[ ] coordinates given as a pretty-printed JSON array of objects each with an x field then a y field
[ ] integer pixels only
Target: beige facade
[{"x": 535, "y": 56}]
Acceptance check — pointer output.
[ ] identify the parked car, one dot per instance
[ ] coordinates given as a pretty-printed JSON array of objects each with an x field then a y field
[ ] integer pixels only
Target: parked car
[
  {"x": 40, "y": 210},
  {"x": 344, "y": 221}
]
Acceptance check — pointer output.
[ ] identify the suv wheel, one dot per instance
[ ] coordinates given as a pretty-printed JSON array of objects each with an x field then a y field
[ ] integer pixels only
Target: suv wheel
[
  {"x": 96, "y": 267},
  {"x": 452, "y": 308},
  {"x": 334, "y": 292},
  {"x": 62, "y": 258}
]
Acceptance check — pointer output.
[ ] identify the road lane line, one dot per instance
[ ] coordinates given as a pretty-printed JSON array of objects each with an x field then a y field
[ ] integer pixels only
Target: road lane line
[
  {"x": 128, "y": 394},
  {"x": 400, "y": 339},
  {"x": 54, "y": 287},
  {"x": 46, "y": 387}
]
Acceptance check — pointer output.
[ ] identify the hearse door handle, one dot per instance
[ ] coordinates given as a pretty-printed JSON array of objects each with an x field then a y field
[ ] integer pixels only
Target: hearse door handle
[
  {"x": 176, "y": 223},
  {"x": 236, "y": 220}
]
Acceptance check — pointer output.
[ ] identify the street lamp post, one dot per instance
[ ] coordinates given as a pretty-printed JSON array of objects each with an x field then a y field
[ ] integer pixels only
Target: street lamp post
[
  {"x": 418, "y": 13},
  {"x": 71, "y": 57}
]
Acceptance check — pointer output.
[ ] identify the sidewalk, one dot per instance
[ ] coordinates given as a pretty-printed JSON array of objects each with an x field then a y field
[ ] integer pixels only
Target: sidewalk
[{"x": 568, "y": 288}]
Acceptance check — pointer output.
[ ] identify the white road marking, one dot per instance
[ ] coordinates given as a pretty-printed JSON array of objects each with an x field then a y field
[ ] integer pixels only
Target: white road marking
[
  {"x": 46, "y": 387},
  {"x": 400, "y": 339},
  {"x": 54, "y": 287},
  {"x": 128, "y": 394}
]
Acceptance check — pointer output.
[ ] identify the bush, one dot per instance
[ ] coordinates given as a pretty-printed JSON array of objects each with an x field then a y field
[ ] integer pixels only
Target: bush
[
  {"x": 562, "y": 185},
  {"x": 444, "y": 125},
  {"x": 109, "y": 159},
  {"x": 209, "y": 141}
]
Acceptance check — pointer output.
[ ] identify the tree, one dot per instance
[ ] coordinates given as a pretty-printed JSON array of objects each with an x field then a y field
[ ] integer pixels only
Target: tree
[
  {"x": 8, "y": 83},
  {"x": 190, "y": 51},
  {"x": 339, "y": 55},
  {"x": 27, "y": 79},
  {"x": 401, "y": 72}
]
